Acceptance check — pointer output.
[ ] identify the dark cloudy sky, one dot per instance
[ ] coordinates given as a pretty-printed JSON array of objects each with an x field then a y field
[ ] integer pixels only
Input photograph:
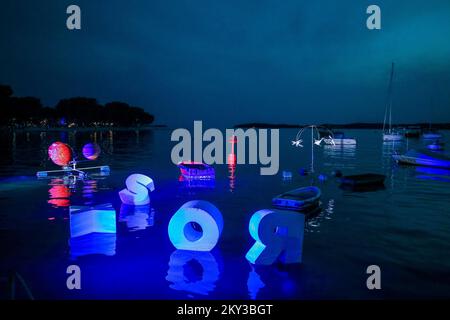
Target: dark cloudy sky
[{"x": 232, "y": 61}]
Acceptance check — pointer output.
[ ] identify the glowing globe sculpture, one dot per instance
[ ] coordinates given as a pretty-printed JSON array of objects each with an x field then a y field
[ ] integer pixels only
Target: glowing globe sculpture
[
  {"x": 60, "y": 153},
  {"x": 91, "y": 151}
]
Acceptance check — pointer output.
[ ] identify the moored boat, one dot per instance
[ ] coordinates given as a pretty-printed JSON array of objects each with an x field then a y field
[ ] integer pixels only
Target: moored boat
[
  {"x": 431, "y": 135},
  {"x": 196, "y": 170},
  {"x": 339, "y": 138},
  {"x": 298, "y": 199},
  {"x": 423, "y": 158},
  {"x": 390, "y": 134},
  {"x": 436, "y": 146}
]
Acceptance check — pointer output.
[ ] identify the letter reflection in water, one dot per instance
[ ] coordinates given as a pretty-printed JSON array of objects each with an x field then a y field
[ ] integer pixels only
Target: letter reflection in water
[
  {"x": 278, "y": 234},
  {"x": 137, "y": 217},
  {"x": 92, "y": 230},
  {"x": 193, "y": 271},
  {"x": 254, "y": 283},
  {"x": 196, "y": 226},
  {"x": 136, "y": 192}
]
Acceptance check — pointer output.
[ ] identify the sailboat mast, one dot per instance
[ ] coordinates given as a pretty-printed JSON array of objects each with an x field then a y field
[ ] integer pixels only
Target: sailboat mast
[{"x": 389, "y": 101}]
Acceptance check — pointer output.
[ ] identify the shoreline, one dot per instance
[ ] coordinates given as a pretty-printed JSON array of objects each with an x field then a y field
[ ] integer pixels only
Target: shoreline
[
  {"x": 362, "y": 125},
  {"x": 84, "y": 129}
]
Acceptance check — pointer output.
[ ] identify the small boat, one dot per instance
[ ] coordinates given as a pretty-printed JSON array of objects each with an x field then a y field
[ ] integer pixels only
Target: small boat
[
  {"x": 423, "y": 158},
  {"x": 196, "y": 170},
  {"x": 363, "y": 180},
  {"x": 339, "y": 138},
  {"x": 298, "y": 199},
  {"x": 431, "y": 135},
  {"x": 390, "y": 134},
  {"x": 436, "y": 146}
]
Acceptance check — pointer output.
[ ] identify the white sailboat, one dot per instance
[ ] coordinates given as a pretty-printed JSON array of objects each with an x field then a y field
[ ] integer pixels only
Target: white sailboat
[{"x": 390, "y": 134}]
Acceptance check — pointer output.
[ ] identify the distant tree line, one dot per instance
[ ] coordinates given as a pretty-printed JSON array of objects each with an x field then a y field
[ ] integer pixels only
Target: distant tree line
[{"x": 78, "y": 111}]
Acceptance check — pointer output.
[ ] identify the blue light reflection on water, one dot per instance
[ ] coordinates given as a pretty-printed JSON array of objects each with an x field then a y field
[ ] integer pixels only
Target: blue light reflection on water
[{"x": 403, "y": 228}]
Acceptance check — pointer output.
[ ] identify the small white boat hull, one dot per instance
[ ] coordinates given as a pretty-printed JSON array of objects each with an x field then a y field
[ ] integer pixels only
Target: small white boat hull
[
  {"x": 432, "y": 136},
  {"x": 393, "y": 137},
  {"x": 345, "y": 141}
]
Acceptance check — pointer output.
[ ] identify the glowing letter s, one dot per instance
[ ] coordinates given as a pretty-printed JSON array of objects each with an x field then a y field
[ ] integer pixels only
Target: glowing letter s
[
  {"x": 209, "y": 221},
  {"x": 136, "y": 192},
  {"x": 278, "y": 233}
]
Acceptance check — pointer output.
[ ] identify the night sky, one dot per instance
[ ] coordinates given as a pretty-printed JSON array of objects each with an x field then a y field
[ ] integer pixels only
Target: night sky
[{"x": 234, "y": 61}]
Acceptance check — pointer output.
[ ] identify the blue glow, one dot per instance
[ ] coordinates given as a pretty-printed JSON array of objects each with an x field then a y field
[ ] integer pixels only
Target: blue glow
[
  {"x": 209, "y": 273},
  {"x": 254, "y": 284},
  {"x": 85, "y": 220},
  {"x": 93, "y": 243}
]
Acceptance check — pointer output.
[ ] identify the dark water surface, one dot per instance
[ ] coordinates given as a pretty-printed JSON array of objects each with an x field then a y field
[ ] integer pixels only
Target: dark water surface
[{"x": 403, "y": 228}]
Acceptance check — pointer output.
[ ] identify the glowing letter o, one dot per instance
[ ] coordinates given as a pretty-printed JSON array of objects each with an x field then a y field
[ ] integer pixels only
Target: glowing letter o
[{"x": 184, "y": 236}]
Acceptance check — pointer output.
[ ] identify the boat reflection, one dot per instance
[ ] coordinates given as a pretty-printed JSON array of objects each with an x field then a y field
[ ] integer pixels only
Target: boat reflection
[
  {"x": 342, "y": 154},
  {"x": 313, "y": 222},
  {"x": 137, "y": 217},
  {"x": 196, "y": 183},
  {"x": 193, "y": 271},
  {"x": 437, "y": 174}
]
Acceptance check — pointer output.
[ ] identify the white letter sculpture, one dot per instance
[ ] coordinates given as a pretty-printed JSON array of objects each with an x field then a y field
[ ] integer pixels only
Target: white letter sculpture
[
  {"x": 136, "y": 192},
  {"x": 278, "y": 234},
  {"x": 183, "y": 232}
]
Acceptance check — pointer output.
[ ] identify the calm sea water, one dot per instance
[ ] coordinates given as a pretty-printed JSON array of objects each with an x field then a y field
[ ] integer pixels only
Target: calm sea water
[{"x": 403, "y": 228}]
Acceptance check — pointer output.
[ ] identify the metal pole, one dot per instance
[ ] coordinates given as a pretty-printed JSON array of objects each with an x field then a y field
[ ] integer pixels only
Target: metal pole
[{"x": 312, "y": 149}]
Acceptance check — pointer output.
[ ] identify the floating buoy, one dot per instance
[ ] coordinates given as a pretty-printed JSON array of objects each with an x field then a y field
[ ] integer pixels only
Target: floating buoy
[
  {"x": 60, "y": 153},
  {"x": 287, "y": 175},
  {"x": 91, "y": 151}
]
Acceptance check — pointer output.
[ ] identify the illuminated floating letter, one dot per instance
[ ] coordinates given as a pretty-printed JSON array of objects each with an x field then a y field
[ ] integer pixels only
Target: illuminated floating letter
[
  {"x": 85, "y": 220},
  {"x": 196, "y": 226},
  {"x": 136, "y": 192},
  {"x": 278, "y": 234}
]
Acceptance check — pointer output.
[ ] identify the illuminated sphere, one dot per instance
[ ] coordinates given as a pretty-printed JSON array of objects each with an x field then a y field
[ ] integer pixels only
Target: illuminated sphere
[
  {"x": 60, "y": 153},
  {"x": 91, "y": 151}
]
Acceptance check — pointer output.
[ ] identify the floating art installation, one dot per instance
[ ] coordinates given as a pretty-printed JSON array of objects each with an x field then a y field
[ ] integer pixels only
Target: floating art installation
[
  {"x": 91, "y": 151},
  {"x": 85, "y": 220},
  {"x": 279, "y": 236},
  {"x": 60, "y": 153},
  {"x": 136, "y": 192},
  {"x": 196, "y": 226}
]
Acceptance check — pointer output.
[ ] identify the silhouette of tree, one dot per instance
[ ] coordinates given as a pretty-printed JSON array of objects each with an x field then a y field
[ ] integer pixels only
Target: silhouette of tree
[{"x": 82, "y": 111}]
